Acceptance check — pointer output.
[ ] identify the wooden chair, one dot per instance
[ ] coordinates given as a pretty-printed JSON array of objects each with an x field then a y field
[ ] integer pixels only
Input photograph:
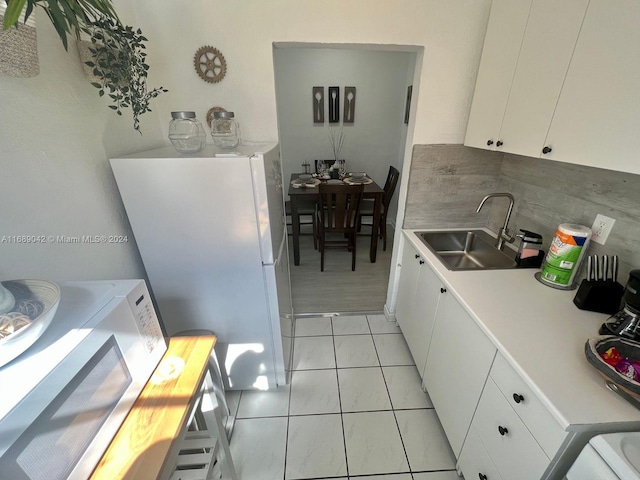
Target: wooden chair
[
  {"x": 337, "y": 214},
  {"x": 366, "y": 209},
  {"x": 328, "y": 163},
  {"x": 307, "y": 208}
]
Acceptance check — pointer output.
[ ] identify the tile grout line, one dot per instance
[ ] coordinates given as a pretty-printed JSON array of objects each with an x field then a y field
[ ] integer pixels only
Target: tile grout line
[
  {"x": 286, "y": 439},
  {"x": 344, "y": 436},
  {"x": 393, "y": 410}
]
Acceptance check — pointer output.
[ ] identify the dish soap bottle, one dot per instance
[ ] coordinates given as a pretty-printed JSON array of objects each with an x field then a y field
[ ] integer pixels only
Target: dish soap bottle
[
  {"x": 186, "y": 132},
  {"x": 530, "y": 253},
  {"x": 225, "y": 130}
]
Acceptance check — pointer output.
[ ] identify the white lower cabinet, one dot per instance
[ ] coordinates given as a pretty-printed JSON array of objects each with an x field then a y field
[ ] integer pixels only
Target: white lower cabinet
[
  {"x": 509, "y": 443},
  {"x": 546, "y": 430},
  {"x": 474, "y": 460},
  {"x": 418, "y": 295},
  {"x": 457, "y": 367},
  {"x": 518, "y": 433}
]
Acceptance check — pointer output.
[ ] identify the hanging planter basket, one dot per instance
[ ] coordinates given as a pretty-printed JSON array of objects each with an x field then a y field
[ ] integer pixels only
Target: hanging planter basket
[
  {"x": 19, "y": 47},
  {"x": 87, "y": 56}
]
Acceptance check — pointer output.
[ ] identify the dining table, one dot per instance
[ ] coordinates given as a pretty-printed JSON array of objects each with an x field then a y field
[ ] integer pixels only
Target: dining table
[{"x": 300, "y": 192}]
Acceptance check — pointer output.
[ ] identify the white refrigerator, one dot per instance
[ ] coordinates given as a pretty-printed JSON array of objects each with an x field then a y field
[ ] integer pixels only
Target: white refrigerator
[{"x": 211, "y": 231}]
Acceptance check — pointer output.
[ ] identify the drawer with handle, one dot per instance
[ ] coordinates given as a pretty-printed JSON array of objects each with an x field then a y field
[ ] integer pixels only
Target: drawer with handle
[
  {"x": 474, "y": 460},
  {"x": 528, "y": 407},
  {"x": 514, "y": 451}
]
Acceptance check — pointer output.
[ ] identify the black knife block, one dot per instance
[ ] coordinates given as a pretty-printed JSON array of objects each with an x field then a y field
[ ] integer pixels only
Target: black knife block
[{"x": 603, "y": 296}]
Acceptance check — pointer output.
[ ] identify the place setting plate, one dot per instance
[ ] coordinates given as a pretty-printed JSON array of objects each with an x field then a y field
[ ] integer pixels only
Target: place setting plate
[
  {"x": 305, "y": 181},
  {"x": 357, "y": 179}
]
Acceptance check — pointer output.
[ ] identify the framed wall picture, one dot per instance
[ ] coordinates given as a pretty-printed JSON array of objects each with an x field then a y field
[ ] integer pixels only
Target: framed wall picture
[
  {"x": 334, "y": 104},
  {"x": 318, "y": 104},
  {"x": 407, "y": 107},
  {"x": 349, "y": 105}
]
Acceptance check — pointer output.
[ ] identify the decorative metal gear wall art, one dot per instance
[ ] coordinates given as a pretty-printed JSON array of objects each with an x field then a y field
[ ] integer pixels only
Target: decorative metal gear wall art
[{"x": 210, "y": 64}]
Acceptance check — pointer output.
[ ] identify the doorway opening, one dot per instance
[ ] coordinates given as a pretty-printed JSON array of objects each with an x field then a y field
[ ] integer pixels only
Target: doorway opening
[{"x": 373, "y": 82}]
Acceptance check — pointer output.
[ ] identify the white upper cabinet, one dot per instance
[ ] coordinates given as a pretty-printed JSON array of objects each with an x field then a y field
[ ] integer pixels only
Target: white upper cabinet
[
  {"x": 597, "y": 120},
  {"x": 547, "y": 47},
  {"x": 505, "y": 31},
  {"x": 525, "y": 59}
]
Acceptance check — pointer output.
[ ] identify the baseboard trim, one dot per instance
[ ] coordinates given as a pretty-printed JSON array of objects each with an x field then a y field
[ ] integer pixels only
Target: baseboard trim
[
  {"x": 390, "y": 316},
  {"x": 338, "y": 314}
]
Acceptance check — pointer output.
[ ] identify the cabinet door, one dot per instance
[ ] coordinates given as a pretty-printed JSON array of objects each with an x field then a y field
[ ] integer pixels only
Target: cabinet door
[
  {"x": 509, "y": 443},
  {"x": 597, "y": 119},
  {"x": 457, "y": 367},
  {"x": 407, "y": 285},
  {"x": 548, "y": 43},
  {"x": 475, "y": 462},
  {"x": 418, "y": 294},
  {"x": 505, "y": 31}
]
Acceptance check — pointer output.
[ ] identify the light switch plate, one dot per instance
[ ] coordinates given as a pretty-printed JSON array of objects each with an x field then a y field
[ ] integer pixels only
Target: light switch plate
[{"x": 601, "y": 228}]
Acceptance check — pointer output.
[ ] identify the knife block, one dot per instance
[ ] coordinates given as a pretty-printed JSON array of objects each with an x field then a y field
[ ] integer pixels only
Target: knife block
[{"x": 603, "y": 296}]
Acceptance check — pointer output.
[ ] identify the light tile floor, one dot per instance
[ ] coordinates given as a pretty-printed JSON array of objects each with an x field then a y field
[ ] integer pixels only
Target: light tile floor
[{"x": 354, "y": 410}]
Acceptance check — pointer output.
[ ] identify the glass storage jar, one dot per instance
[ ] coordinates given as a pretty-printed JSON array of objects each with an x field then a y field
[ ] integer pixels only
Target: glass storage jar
[
  {"x": 225, "y": 130},
  {"x": 186, "y": 132}
]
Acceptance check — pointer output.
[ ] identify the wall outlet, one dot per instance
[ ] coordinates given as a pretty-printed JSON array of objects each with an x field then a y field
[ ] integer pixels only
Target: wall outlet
[{"x": 601, "y": 228}]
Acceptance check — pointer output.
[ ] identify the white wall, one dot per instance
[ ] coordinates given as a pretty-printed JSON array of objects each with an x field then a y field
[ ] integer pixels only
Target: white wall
[
  {"x": 56, "y": 136},
  {"x": 376, "y": 138},
  {"x": 244, "y": 31}
]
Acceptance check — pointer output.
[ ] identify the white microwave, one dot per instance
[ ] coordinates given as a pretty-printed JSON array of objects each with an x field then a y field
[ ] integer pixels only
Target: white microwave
[{"x": 63, "y": 399}]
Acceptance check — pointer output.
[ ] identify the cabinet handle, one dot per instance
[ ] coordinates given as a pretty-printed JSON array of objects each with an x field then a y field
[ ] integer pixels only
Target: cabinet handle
[
  {"x": 546, "y": 150},
  {"x": 503, "y": 430},
  {"x": 421, "y": 262},
  {"x": 489, "y": 143},
  {"x": 499, "y": 143},
  {"x": 482, "y": 476},
  {"x": 417, "y": 256},
  {"x": 443, "y": 290},
  {"x": 518, "y": 398}
]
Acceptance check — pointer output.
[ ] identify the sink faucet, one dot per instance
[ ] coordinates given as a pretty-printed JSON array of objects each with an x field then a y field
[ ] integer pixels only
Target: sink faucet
[{"x": 503, "y": 234}]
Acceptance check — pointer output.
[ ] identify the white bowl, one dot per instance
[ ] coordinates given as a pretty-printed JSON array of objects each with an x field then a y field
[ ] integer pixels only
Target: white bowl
[
  {"x": 358, "y": 175},
  {"x": 304, "y": 177},
  {"x": 16, "y": 343}
]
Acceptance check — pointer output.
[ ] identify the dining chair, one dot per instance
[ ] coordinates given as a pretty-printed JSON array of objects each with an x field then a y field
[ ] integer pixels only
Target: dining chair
[
  {"x": 336, "y": 216},
  {"x": 306, "y": 208},
  {"x": 367, "y": 206},
  {"x": 328, "y": 163}
]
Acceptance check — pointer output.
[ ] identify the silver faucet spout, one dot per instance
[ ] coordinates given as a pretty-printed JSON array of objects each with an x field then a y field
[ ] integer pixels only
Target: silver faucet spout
[{"x": 503, "y": 234}]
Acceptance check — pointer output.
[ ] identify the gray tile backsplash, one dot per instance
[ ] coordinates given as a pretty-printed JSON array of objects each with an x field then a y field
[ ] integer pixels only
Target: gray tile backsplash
[{"x": 447, "y": 182}]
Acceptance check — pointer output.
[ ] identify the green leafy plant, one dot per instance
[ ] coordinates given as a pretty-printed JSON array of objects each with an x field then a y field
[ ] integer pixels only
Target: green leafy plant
[
  {"x": 119, "y": 63},
  {"x": 67, "y": 16},
  {"x": 119, "y": 60}
]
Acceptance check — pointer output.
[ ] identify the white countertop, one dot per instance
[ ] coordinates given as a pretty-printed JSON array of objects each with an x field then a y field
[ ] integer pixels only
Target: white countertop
[{"x": 542, "y": 334}]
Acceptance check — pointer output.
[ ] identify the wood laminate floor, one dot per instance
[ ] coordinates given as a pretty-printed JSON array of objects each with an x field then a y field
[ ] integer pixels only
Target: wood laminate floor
[{"x": 338, "y": 289}]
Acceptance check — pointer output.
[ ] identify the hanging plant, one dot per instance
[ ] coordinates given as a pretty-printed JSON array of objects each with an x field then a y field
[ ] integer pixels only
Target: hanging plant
[
  {"x": 119, "y": 62},
  {"x": 67, "y": 16},
  {"x": 119, "y": 65}
]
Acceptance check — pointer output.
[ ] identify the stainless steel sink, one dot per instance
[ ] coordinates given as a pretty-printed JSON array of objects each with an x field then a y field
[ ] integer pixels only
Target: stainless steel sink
[{"x": 467, "y": 250}]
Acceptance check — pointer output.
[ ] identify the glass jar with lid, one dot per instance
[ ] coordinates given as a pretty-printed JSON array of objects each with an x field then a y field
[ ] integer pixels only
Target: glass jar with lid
[
  {"x": 225, "y": 130},
  {"x": 186, "y": 132}
]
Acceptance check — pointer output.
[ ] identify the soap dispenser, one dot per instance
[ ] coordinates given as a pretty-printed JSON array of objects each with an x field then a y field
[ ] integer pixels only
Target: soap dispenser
[{"x": 530, "y": 253}]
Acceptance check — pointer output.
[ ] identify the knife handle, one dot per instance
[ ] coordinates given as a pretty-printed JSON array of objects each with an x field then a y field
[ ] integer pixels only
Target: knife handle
[
  {"x": 605, "y": 267},
  {"x": 589, "y": 267},
  {"x": 614, "y": 268}
]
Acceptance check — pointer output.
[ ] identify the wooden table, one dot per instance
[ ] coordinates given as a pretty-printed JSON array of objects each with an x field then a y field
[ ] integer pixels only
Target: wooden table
[
  {"x": 140, "y": 449},
  {"x": 371, "y": 190}
]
